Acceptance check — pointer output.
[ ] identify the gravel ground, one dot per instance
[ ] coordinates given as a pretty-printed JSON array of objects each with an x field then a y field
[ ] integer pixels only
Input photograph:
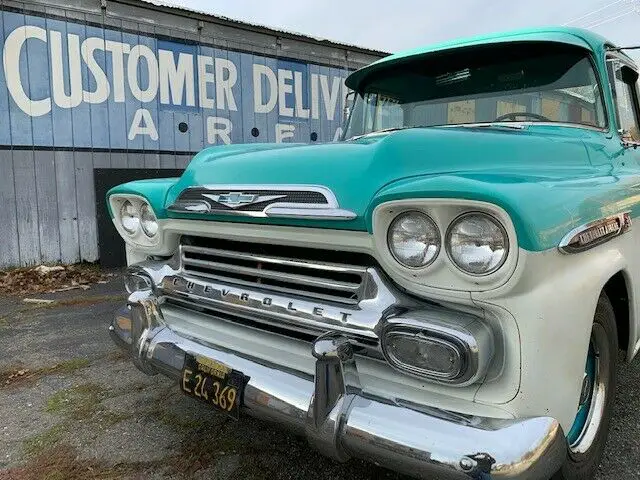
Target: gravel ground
[{"x": 72, "y": 407}]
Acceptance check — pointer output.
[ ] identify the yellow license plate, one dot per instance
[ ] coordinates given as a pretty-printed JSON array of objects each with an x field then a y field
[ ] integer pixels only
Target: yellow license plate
[{"x": 214, "y": 383}]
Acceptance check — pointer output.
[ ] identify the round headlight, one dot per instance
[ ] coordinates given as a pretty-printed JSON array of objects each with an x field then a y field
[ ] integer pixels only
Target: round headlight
[
  {"x": 414, "y": 239},
  {"x": 129, "y": 217},
  {"x": 477, "y": 243},
  {"x": 148, "y": 221}
]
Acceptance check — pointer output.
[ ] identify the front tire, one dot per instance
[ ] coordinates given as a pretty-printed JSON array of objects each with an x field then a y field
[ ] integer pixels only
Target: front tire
[{"x": 587, "y": 438}]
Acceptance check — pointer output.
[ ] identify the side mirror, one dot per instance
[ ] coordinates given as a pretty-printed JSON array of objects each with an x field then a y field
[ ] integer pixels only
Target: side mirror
[{"x": 348, "y": 101}]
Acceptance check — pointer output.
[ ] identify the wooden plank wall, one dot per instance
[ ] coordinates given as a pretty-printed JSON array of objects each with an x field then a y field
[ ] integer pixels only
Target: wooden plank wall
[
  {"x": 47, "y": 199},
  {"x": 47, "y": 202}
]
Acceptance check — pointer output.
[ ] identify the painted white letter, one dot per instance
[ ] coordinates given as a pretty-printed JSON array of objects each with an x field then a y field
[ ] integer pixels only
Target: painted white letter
[
  {"x": 204, "y": 77},
  {"x": 330, "y": 97},
  {"x": 315, "y": 104},
  {"x": 60, "y": 97},
  {"x": 11, "y": 62},
  {"x": 101, "y": 93},
  {"x": 301, "y": 112},
  {"x": 141, "y": 116},
  {"x": 218, "y": 126},
  {"x": 224, "y": 85},
  {"x": 284, "y": 130},
  {"x": 283, "y": 89},
  {"x": 132, "y": 73},
  {"x": 272, "y": 98},
  {"x": 118, "y": 50},
  {"x": 174, "y": 77}
]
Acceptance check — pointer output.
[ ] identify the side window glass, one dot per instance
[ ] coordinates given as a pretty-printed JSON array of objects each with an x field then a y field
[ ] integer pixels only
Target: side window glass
[{"x": 626, "y": 97}]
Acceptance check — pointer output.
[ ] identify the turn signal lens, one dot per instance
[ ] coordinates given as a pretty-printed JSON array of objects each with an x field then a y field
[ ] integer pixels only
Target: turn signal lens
[{"x": 424, "y": 355}]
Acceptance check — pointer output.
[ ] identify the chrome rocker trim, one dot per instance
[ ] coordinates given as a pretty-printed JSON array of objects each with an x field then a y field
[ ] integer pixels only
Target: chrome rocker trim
[{"x": 341, "y": 421}]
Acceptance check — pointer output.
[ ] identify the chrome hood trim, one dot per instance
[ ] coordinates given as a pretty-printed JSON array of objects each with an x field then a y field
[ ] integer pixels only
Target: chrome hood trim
[{"x": 262, "y": 201}]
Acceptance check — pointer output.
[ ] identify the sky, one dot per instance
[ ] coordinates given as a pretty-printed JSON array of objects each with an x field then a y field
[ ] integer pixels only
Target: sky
[{"x": 402, "y": 24}]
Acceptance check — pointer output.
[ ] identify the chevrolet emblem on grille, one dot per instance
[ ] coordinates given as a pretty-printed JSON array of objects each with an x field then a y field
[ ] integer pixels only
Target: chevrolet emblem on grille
[{"x": 239, "y": 199}]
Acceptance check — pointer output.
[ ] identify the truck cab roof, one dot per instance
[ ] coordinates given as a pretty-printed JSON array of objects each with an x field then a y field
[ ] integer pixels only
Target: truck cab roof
[{"x": 560, "y": 35}]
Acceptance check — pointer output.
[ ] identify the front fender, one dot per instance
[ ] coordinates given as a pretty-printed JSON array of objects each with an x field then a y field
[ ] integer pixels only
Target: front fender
[
  {"x": 553, "y": 298},
  {"x": 540, "y": 204}
]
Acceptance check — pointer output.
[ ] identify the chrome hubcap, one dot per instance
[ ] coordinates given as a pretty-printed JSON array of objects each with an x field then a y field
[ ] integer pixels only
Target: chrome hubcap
[
  {"x": 585, "y": 393},
  {"x": 593, "y": 393}
]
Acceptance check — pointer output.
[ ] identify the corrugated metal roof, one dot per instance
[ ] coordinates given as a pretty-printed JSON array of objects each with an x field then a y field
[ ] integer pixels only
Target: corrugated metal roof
[{"x": 275, "y": 30}]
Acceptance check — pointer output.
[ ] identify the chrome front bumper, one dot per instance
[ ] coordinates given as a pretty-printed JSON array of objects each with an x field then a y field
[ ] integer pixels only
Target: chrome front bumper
[{"x": 342, "y": 422}]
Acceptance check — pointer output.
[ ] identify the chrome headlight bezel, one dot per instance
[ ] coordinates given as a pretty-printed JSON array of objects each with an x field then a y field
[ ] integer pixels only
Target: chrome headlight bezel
[
  {"x": 428, "y": 220},
  {"x": 139, "y": 237},
  {"x": 448, "y": 244},
  {"x": 441, "y": 275},
  {"x": 135, "y": 214},
  {"x": 145, "y": 208}
]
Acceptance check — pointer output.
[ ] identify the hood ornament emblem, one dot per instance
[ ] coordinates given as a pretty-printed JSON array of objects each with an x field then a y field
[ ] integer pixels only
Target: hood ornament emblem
[{"x": 239, "y": 199}]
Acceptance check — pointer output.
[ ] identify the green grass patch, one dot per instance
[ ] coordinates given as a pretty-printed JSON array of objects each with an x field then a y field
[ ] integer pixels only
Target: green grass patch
[
  {"x": 77, "y": 403},
  {"x": 109, "y": 419},
  {"x": 69, "y": 366},
  {"x": 161, "y": 412},
  {"x": 61, "y": 462},
  {"x": 43, "y": 441}
]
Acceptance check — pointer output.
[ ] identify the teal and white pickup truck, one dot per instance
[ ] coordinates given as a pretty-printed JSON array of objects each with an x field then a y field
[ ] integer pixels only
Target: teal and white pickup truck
[{"x": 443, "y": 292}]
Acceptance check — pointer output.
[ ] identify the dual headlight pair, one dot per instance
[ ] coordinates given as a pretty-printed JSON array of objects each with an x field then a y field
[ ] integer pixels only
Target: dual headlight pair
[
  {"x": 136, "y": 216},
  {"x": 476, "y": 242}
]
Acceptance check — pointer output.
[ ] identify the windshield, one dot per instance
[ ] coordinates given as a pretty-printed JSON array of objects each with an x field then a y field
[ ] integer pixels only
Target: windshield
[{"x": 516, "y": 83}]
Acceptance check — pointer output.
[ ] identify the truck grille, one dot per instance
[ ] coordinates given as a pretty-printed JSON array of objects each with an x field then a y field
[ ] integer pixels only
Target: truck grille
[
  {"x": 304, "y": 272},
  {"x": 195, "y": 194}
]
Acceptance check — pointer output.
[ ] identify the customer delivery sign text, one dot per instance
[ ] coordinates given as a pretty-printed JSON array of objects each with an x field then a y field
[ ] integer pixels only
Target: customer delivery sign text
[{"x": 150, "y": 85}]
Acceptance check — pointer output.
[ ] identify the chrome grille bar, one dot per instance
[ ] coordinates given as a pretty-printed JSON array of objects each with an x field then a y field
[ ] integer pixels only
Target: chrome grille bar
[
  {"x": 288, "y": 291},
  {"x": 330, "y": 267},
  {"x": 258, "y": 272},
  {"x": 331, "y": 282}
]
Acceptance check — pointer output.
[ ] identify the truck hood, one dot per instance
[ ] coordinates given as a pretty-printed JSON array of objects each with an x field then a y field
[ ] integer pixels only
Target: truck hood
[
  {"x": 538, "y": 175},
  {"x": 356, "y": 170}
]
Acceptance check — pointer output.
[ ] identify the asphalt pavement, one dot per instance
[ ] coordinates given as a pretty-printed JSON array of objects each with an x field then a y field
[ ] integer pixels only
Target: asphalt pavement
[{"x": 73, "y": 407}]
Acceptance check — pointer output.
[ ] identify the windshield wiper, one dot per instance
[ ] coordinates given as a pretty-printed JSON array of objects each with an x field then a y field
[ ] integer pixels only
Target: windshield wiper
[
  {"x": 508, "y": 125},
  {"x": 512, "y": 126},
  {"x": 387, "y": 130}
]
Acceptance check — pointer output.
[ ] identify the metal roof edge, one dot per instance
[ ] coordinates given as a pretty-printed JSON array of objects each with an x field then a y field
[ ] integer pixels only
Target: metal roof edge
[{"x": 169, "y": 7}]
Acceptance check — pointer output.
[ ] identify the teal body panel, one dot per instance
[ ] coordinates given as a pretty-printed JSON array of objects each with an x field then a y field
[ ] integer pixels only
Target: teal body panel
[
  {"x": 549, "y": 178},
  {"x": 154, "y": 190}
]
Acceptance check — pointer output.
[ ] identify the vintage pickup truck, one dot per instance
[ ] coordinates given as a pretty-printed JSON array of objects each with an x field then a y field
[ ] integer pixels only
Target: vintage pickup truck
[{"x": 444, "y": 292}]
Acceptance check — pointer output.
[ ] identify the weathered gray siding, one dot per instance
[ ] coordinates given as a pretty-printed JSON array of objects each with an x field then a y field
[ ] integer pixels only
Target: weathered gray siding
[{"x": 47, "y": 204}]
